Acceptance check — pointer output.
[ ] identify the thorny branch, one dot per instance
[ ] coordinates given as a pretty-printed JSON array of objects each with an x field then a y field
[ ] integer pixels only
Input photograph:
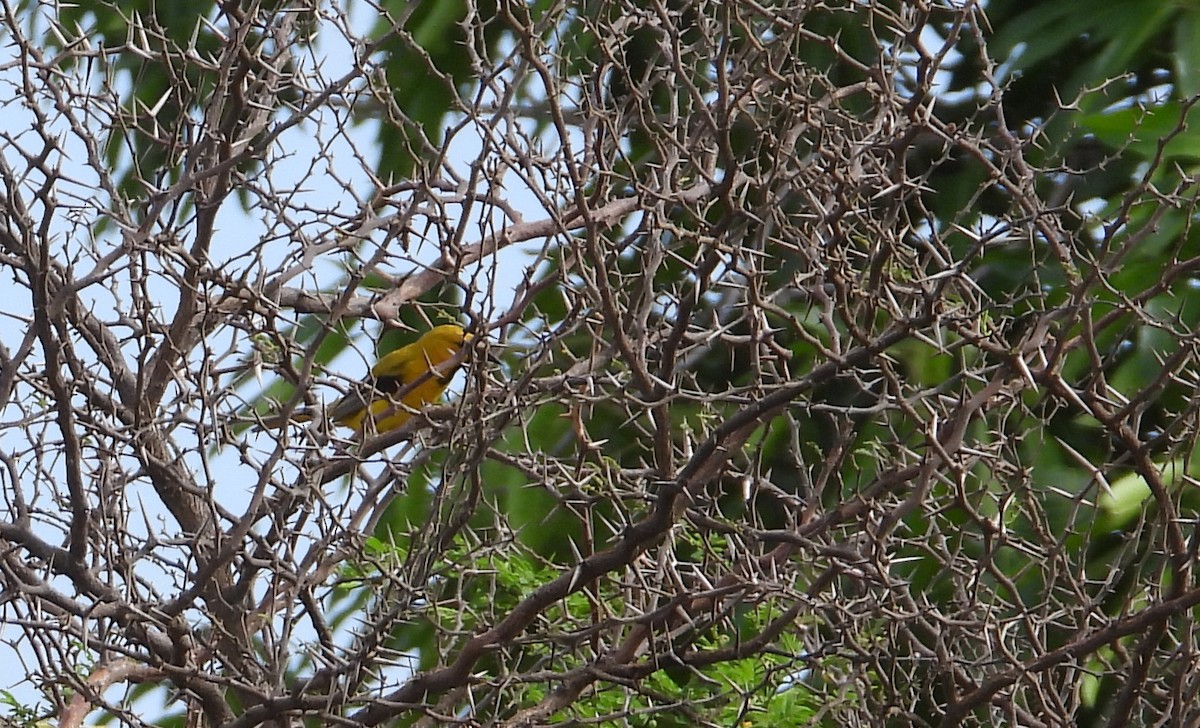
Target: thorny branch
[{"x": 751, "y": 394}]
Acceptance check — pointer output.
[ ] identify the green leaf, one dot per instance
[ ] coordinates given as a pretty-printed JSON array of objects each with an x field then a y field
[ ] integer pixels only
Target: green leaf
[
  {"x": 1141, "y": 129},
  {"x": 1187, "y": 52},
  {"x": 1128, "y": 496}
]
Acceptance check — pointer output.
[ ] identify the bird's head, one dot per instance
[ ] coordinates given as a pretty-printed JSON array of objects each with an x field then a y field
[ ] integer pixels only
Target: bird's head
[{"x": 450, "y": 336}]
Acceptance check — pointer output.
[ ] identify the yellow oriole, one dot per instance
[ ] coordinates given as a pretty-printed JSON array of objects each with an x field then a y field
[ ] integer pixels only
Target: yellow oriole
[{"x": 401, "y": 382}]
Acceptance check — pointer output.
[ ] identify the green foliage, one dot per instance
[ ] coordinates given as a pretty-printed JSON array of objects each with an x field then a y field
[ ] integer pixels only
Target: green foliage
[{"x": 19, "y": 715}]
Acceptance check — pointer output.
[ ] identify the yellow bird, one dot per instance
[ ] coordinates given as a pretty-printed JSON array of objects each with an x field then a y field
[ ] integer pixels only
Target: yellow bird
[{"x": 401, "y": 382}]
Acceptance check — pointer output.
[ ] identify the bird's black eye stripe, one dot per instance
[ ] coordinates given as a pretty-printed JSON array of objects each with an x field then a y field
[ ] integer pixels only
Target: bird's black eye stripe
[{"x": 388, "y": 385}]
